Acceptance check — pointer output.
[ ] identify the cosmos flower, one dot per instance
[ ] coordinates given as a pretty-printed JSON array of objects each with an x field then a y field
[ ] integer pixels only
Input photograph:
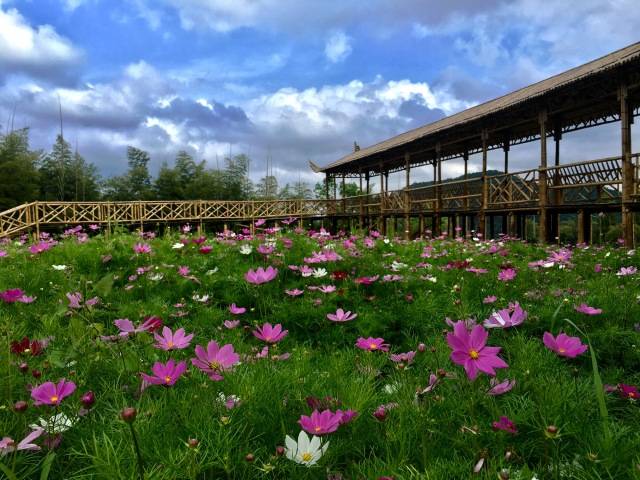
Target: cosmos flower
[
  {"x": 564, "y": 345},
  {"x": 26, "y": 346},
  {"x": 294, "y": 293},
  {"x": 231, "y": 324},
  {"x": 261, "y": 275},
  {"x": 141, "y": 248},
  {"x": 321, "y": 423},
  {"x": 341, "y": 316},
  {"x": 506, "y": 318},
  {"x": 305, "y": 451},
  {"x": 500, "y": 388},
  {"x": 172, "y": 341},
  {"x": 470, "y": 350},
  {"x": 406, "y": 358},
  {"x": 8, "y": 445},
  {"x": 587, "y": 310},
  {"x": 215, "y": 359},
  {"x": 505, "y": 425},
  {"x": 507, "y": 274},
  {"x": 15, "y": 295},
  {"x": 50, "y": 393},
  {"x": 270, "y": 333},
  {"x": 372, "y": 344},
  {"x": 165, "y": 374},
  {"x": 235, "y": 310}
]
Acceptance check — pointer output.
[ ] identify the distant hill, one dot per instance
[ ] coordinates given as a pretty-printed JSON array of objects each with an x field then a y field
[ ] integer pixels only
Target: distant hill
[{"x": 461, "y": 177}]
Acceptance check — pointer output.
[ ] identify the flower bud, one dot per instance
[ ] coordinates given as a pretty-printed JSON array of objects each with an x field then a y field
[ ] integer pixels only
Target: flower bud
[
  {"x": 551, "y": 431},
  {"x": 504, "y": 474},
  {"x": 422, "y": 347},
  {"x": 24, "y": 367},
  {"x": 279, "y": 450},
  {"x": 249, "y": 457},
  {"x": 88, "y": 399},
  {"x": 20, "y": 406},
  {"x": 193, "y": 442},
  {"x": 128, "y": 414},
  {"x": 36, "y": 373}
]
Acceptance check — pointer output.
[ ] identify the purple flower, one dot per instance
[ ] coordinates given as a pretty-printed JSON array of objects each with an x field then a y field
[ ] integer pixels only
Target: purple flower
[
  {"x": 231, "y": 324},
  {"x": 564, "y": 345},
  {"x": 270, "y": 333},
  {"x": 341, "y": 316},
  {"x": 372, "y": 344},
  {"x": 172, "y": 341},
  {"x": 507, "y": 274},
  {"x": 321, "y": 423},
  {"x": 8, "y": 445},
  {"x": 261, "y": 275},
  {"x": 489, "y": 299},
  {"x": 470, "y": 350},
  {"x": 507, "y": 317},
  {"x": 51, "y": 394},
  {"x": 166, "y": 374},
  {"x": 235, "y": 310},
  {"x": 403, "y": 357},
  {"x": 15, "y": 295},
  {"x": 500, "y": 388},
  {"x": 215, "y": 359},
  {"x": 587, "y": 310},
  {"x": 505, "y": 425}
]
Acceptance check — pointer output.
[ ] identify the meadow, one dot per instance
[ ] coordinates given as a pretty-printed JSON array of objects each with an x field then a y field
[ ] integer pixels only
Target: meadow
[{"x": 301, "y": 354}]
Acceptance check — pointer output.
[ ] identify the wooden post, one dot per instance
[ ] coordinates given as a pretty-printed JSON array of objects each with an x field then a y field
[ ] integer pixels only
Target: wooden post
[
  {"x": 512, "y": 224},
  {"x": 485, "y": 186},
  {"x": 361, "y": 206},
  {"x": 581, "y": 226},
  {"x": 543, "y": 234},
  {"x": 407, "y": 196},
  {"x": 437, "y": 220},
  {"x": 382, "y": 222},
  {"x": 505, "y": 146},
  {"x": 421, "y": 225},
  {"x": 326, "y": 185},
  {"x": 627, "y": 166},
  {"x": 36, "y": 219},
  {"x": 558, "y": 193},
  {"x": 366, "y": 177}
]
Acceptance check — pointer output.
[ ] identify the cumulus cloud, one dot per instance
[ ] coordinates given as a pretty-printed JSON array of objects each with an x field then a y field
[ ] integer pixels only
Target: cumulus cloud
[
  {"x": 37, "y": 51},
  {"x": 337, "y": 47}
]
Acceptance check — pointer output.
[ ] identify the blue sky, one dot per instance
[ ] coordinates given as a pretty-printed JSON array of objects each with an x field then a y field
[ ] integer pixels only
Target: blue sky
[{"x": 296, "y": 80}]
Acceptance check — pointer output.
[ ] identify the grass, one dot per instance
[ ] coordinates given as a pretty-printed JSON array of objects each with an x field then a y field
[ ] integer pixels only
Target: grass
[{"x": 439, "y": 435}]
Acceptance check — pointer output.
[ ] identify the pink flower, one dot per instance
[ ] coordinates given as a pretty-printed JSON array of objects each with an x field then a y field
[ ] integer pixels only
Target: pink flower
[
  {"x": 15, "y": 295},
  {"x": 3, "y": 253},
  {"x": 172, "y": 341},
  {"x": 624, "y": 271},
  {"x": 75, "y": 300},
  {"x": 505, "y": 425},
  {"x": 506, "y": 317},
  {"x": 205, "y": 249},
  {"x": 261, "y": 275},
  {"x": 294, "y": 293},
  {"x": 403, "y": 357},
  {"x": 140, "y": 248},
  {"x": 341, "y": 316},
  {"x": 215, "y": 359},
  {"x": 372, "y": 344},
  {"x": 51, "y": 394},
  {"x": 231, "y": 324},
  {"x": 500, "y": 388},
  {"x": 470, "y": 350},
  {"x": 327, "y": 288},
  {"x": 126, "y": 326},
  {"x": 270, "y": 333},
  {"x": 166, "y": 374},
  {"x": 366, "y": 280},
  {"x": 597, "y": 268},
  {"x": 628, "y": 391},
  {"x": 587, "y": 310},
  {"x": 564, "y": 345},
  {"x": 183, "y": 271},
  {"x": 235, "y": 310},
  {"x": 8, "y": 445},
  {"x": 507, "y": 274},
  {"x": 347, "y": 416},
  {"x": 321, "y": 423},
  {"x": 489, "y": 299},
  {"x": 260, "y": 222}
]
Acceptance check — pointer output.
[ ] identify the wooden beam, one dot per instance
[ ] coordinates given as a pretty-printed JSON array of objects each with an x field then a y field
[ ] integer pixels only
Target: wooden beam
[
  {"x": 627, "y": 166},
  {"x": 543, "y": 234},
  {"x": 407, "y": 197},
  {"x": 485, "y": 185}
]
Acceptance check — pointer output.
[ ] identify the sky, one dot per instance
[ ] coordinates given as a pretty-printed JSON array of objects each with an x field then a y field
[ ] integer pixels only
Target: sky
[{"x": 289, "y": 80}]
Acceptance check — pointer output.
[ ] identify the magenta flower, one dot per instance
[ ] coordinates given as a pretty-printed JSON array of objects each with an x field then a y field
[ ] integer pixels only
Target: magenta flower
[
  {"x": 505, "y": 425},
  {"x": 470, "y": 350},
  {"x": 75, "y": 300},
  {"x": 628, "y": 391},
  {"x": 372, "y": 344},
  {"x": 500, "y": 388},
  {"x": 507, "y": 317},
  {"x": 231, "y": 324},
  {"x": 507, "y": 274},
  {"x": 270, "y": 333},
  {"x": 172, "y": 341},
  {"x": 403, "y": 357},
  {"x": 126, "y": 326},
  {"x": 321, "y": 423},
  {"x": 564, "y": 345},
  {"x": 215, "y": 359},
  {"x": 587, "y": 310},
  {"x": 235, "y": 310},
  {"x": 51, "y": 394},
  {"x": 489, "y": 299},
  {"x": 347, "y": 416},
  {"x": 8, "y": 444},
  {"x": 625, "y": 271},
  {"x": 260, "y": 222},
  {"x": 261, "y": 275},
  {"x": 183, "y": 271},
  {"x": 341, "y": 316},
  {"x": 140, "y": 248},
  {"x": 166, "y": 374},
  {"x": 14, "y": 295}
]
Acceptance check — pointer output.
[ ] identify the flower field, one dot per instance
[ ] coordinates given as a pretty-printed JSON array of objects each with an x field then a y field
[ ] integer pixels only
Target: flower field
[{"x": 297, "y": 354}]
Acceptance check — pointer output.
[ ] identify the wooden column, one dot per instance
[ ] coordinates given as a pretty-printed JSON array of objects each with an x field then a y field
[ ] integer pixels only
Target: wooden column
[
  {"x": 368, "y": 192},
  {"x": 627, "y": 166},
  {"x": 421, "y": 225},
  {"x": 467, "y": 218},
  {"x": 437, "y": 172},
  {"x": 326, "y": 184},
  {"x": 543, "y": 233},
  {"x": 344, "y": 196},
  {"x": 584, "y": 226},
  {"x": 512, "y": 229},
  {"x": 407, "y": 197},
  {"x": 382, "y": 226},
  {"x": 557, "y": 193},
  {"x": 485, "y": 185},
  {"x": 361, "y": 205},
  {"x": 505, "y": 146}
]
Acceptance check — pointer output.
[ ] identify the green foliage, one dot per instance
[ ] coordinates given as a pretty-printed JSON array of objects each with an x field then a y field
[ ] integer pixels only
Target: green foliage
[{"x": 18, "y": 170}]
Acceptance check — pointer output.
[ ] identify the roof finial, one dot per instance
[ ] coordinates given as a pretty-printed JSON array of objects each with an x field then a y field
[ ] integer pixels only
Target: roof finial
[{"x": 356, "y": 147}]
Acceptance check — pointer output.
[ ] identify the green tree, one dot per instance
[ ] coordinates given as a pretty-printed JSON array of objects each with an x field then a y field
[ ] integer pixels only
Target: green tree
[
  {"x": 18, "y": 164},
  {"x": 138, "y": 177},
  {"x": 54, "y": 172}
]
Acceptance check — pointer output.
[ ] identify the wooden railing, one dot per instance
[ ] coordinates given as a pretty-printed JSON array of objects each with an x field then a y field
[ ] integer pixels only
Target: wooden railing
[{"x": 590, "y": 182}]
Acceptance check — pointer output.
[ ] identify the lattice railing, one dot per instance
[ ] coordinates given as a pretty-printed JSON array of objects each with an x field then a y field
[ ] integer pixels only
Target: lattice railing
[
  {"x": 596, "y": 181},
  {"x": 17, "y": 219},
  {"x": 513, "y": 189},
  {"x": 461, "y": 194},
  {"x": 394, "y": 201}
]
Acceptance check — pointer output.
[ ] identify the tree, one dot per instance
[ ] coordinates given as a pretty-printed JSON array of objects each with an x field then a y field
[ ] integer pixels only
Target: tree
[
  {"x": 320, "y": 190},
  {"x": 167, "y": 186},
  {"x": 267, "y": 188},
  {"x": 54, "y": 170},
  {"x": 18, "y": 164},
  {"x": 138, "y": 177},
  {"x": 236, "y": 184}
]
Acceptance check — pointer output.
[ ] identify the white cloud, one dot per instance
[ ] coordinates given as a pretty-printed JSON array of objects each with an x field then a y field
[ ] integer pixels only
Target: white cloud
[
  {"x": 33, "y": 50},
  {"x": 338, "y": 47}
]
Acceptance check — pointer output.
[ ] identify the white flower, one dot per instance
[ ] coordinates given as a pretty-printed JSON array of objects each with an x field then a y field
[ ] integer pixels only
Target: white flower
[
  {"x": 391, "y": 388},
  {"x": 319, "y": 272},
  {"x": 56, "y": 424},
  {"x": 212, "y": 271},
  {"x": 329, "y": 246},
  {"x": 387, "y": 241},
  {"x": 177, "y": 246},
  {"x": 201, "y": 298},
  {"x": 607, "y": 254},
  {"x": 306, "y": 452},
  {"x": 156, "y": 277},
  {"x": 246, "y": 249},
  {"x": 60, "y": 268}
]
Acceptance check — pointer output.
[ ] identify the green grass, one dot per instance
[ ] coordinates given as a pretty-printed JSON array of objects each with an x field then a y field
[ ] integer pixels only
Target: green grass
[{"x": 440, "y": 436}]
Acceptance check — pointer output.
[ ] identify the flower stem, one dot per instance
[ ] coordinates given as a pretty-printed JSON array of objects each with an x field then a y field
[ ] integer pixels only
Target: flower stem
[{"x": 138, "y": 453}]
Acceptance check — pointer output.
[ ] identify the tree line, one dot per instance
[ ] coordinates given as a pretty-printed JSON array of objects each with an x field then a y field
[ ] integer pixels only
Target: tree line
[{"x": 63, "y": 174}]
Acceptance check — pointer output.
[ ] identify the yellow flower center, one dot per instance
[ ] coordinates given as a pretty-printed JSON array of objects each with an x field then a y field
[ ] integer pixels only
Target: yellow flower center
[
  {"x": 268, "y": 338},
  {"x": 307, "y": 457},
  {"x": 373, "y": 346},
  {"x": 214, "y": 365},
  {"x": 167, "y": 379},
  {"x": 317, "y": 429},
  {"x": 170, "y": 344},
  {"x": 561, "y": 350},
  {"x": 474, "y": 355},
  {"x": 54, "y": 398}
]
